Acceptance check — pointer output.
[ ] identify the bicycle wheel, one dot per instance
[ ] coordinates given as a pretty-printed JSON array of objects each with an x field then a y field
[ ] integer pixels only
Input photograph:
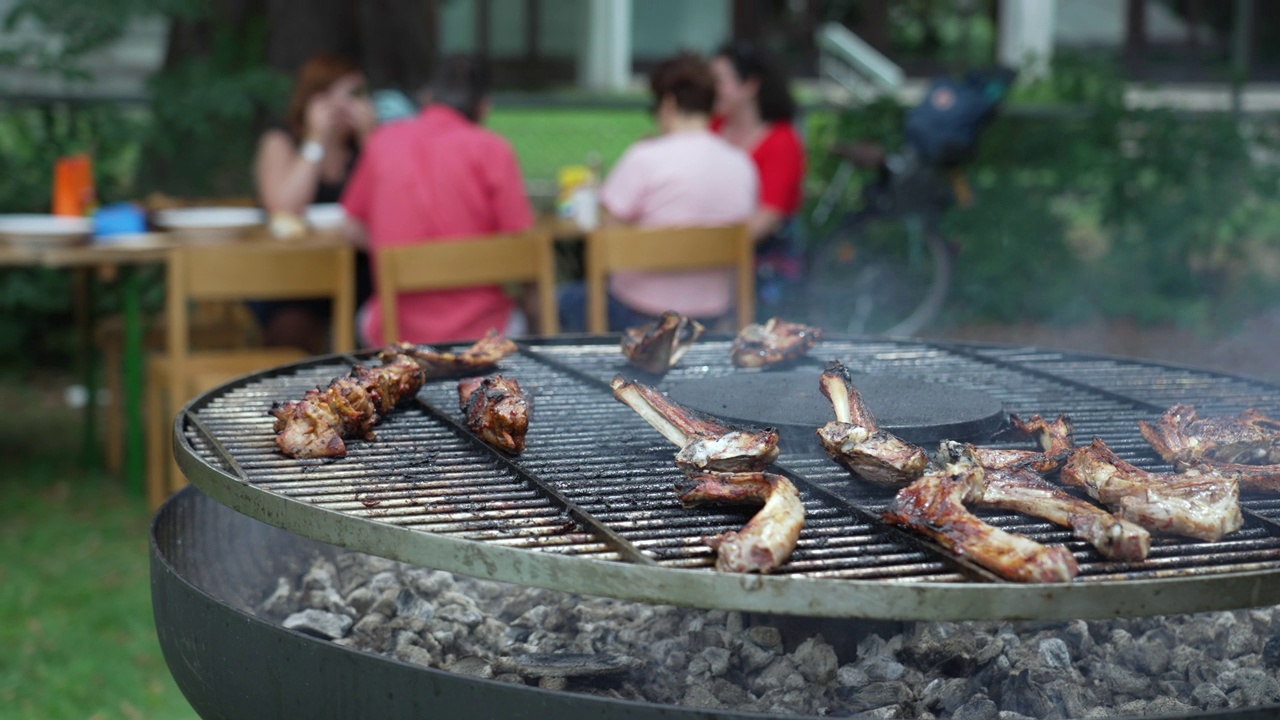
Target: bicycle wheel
[{"x": 879, "y": 275}]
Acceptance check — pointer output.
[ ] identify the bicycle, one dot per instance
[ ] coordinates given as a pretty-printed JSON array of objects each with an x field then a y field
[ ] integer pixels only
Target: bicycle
[{"x": 887, "y": 268}]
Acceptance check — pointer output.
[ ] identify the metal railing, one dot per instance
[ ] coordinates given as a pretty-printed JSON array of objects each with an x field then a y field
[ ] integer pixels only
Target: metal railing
[{"x": 853, "y": 65}]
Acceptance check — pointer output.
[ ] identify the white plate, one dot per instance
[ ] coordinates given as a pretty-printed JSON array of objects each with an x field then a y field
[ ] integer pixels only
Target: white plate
[
  {"x": 325, "y": 216},
  {"x": 45, "y": 230},
  {"x": 209, "y": 222}
]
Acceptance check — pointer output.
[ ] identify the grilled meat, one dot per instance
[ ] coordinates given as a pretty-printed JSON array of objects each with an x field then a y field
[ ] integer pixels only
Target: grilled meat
[
  {"x": 855, "y": 441},
  {"x": 1056, "y": 438},
  {"x": 1200, "y": 503},
  {"x": 1181, "y": 437},
  {"x": 659, "y": 346},
  {"x": 319, "y": 424},
  {"x": 705, "y": 445},
  {"x": 769, "y": 538},
  {"x": 497, "y": 410},
  {"x": 935, "y": 506},
  {"x": 480, "y": 358},
  {"x": 1014, "y": 482},
  {"x": 1026, "y": 492},
  {"x": 1253, "y": 478},
  {"x": 774, "y": 342}
]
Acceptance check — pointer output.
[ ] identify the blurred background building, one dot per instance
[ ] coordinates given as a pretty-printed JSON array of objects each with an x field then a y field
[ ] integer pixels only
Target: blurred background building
[{"x": 604, "y": 45}]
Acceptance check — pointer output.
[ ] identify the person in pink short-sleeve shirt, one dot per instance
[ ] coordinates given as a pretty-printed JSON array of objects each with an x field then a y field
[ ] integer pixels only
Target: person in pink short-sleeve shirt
[
  {"x": 687, "y": 176},
  {"x": 439, "y": 176}
]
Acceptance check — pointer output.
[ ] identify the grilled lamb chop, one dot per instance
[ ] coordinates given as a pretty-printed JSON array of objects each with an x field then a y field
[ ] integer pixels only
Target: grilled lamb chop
[
  {"x": 319, "y": 424},
  {"x": 659, "y": 346},
  {"x": 1014, "y": 482},
  {"x": 774, "y": 342},
  {"x": 1056, "y": 438},
  {"x": 705, "y": 445},
  {"x": 1202, "y": 504},
  {"x": 480, "y": 358},
  {"x": 765, "y": 542},
  {"x": 1026, "y": 492},
  {"x": 497, "y": 410},
  {"x": 1253, "y": 478},
  {"x": 855, "y": 441},
  {"x": 1180, "y": 436},
  {"x": 935, "y": 506}
]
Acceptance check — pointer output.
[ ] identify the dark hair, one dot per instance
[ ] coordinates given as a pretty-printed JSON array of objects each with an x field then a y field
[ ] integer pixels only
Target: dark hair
[
  {"x": 687, "y": 79},
  {"x": 314, "y": 77},
  {"x": 461, "y": 82},
  {"x": 774, "y": 98}
]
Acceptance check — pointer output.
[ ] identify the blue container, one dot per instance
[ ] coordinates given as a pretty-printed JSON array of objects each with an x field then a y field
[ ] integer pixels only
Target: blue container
[{"x": 119, "y": 219}]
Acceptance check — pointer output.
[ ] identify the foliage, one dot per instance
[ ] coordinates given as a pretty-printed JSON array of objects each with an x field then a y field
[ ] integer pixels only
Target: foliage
[
  {"x": 32, "y": 138},
  {"x": 1086, "y": 208},
  {"x": 206, "y": 113},
  {"x": 74, "y": 29}
]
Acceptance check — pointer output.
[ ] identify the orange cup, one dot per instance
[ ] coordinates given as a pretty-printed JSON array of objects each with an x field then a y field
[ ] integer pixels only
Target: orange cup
[{"x": 73, "y": 191}]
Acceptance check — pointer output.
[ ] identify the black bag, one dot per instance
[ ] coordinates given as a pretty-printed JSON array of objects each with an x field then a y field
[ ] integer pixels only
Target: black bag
[{"x": 945, "y": 126}]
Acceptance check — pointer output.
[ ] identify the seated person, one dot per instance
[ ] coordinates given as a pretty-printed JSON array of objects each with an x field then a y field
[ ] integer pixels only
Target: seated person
[
  {"x": 686, "y": 176},
  {"x": 435, "y": 177},
  {"x": 305, "y": 160},
  {"x": 755, "y": 112}
]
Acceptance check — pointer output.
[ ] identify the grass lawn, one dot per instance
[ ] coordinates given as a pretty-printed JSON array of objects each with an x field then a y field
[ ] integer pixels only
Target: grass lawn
[
  {"x": 547, "y": 139},
  {"x": 77, "y": 639}
]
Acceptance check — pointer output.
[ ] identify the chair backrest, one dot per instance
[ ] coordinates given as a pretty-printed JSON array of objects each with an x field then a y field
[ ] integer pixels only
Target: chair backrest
[
  {"x": 669, "y": 249},
  {"x": 260, "y": 270},
  {"x": 468, "y": 262}
]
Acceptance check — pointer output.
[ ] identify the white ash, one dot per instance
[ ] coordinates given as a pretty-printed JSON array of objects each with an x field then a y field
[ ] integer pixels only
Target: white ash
[{"x": 1175, "y": 665}]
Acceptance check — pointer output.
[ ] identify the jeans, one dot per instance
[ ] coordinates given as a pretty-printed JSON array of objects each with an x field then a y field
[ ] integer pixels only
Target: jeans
[{"x": 573, "y": 311}]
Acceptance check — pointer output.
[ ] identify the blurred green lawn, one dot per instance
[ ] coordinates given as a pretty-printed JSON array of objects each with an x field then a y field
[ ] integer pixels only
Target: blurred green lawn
[
  {"x": 77, "y": 639},
  {"x": 548, "y": 138}
]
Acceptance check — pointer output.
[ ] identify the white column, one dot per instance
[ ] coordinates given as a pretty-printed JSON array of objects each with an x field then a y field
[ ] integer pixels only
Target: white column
[
  {"x": 1026, "y": 35},
  {"x": 604, "y": 62}
]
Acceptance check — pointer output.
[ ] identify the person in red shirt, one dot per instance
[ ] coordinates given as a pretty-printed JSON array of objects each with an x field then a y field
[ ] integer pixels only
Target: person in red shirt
[
  {"x": 755, "y": 112},
  {"x": 439, "y": 176}
]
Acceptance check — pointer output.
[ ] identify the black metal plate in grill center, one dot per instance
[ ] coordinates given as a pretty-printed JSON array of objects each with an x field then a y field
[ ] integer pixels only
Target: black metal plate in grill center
[{"x": 914, "y": 409}]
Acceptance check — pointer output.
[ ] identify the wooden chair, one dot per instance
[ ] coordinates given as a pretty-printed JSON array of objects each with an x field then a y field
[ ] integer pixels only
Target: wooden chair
[
  {"x": 213, "y": 326},
  {"x": 669, "y": 250},
  {"x": 223, "y": 272},
  {"x": 482, "y": 260}
]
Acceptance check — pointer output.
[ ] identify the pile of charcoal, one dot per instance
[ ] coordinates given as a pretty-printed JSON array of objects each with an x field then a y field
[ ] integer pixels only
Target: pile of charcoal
[{"x": 1177, "y": 665}]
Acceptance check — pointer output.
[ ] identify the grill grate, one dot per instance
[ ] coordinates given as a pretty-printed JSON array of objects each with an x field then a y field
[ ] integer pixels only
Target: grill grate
[{"x": 596, "y": 480}]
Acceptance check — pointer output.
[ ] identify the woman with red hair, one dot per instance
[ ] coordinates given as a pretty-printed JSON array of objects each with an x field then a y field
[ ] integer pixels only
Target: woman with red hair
[{"x": 307, "y": 159}]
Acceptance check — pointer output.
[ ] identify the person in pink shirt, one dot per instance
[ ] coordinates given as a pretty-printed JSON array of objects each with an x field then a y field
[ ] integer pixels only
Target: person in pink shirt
[
  {"x": 439, "y": 176},
  {"x": 687, "y": 176}
]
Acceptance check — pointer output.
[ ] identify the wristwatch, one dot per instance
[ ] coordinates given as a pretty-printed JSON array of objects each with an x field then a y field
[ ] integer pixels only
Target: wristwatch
[{"x": 312, "y": 151}]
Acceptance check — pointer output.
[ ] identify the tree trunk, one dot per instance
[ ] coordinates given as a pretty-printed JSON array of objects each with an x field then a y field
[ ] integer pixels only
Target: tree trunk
[
  {"x": 399, "y": 41},
  {"x": 298, "y": 29}
]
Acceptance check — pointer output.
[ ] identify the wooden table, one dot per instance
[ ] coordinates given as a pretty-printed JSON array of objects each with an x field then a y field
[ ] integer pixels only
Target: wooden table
[{"x": 119, "y": 262}]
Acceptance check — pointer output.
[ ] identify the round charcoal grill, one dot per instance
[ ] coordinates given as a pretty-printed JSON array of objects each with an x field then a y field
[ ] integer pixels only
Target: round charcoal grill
[{"x": 589, "y": 507}]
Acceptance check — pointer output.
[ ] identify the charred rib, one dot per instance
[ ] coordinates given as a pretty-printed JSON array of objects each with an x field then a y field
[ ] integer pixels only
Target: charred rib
[
  {"x": 765, "y": 542},
  {"x": 1026, "y": 492},
  {"x": 1182, "y": 437},
  {"x": 480, "y": 358},
  {"x": 855, "y": 441},
  {"x": 774, "y": 342},
  {"x": 1056, "y": 438},
  {"x": 497, "y": 409},
  {"x": 935, "y": 506},
  {"x": 705, "y": 445},
  {"x": 657, "y": 347},
  {"x": 321, "y": 422},
  {"x": 1200, "y": 503}
]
